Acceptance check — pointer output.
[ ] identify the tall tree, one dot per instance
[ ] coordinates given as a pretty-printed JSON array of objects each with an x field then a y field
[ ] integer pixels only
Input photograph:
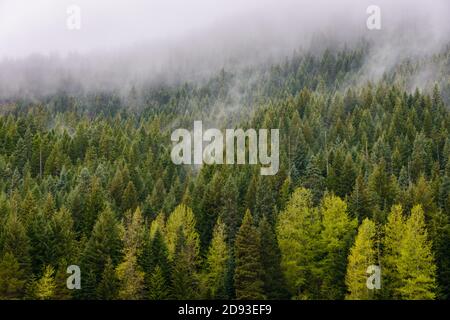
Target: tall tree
[
  {"x": 336, "y": 236},
  {"x": 274, "y": 282},
  {"x": 298, "y": 231},
  {"x": 216, "y": 262},
  {"x": 416, "y": 267},
  {"x": 248, "y": 273},
  {"x": 393, "y": 234},
  {"x": 105, "y": 242},
  {"x": 362, "y": 255},
  {"x": 12, "y": 278}
]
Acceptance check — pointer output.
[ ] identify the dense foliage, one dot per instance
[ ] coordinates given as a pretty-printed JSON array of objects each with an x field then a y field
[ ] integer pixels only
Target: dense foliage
[{"x": 364, "y": 179}]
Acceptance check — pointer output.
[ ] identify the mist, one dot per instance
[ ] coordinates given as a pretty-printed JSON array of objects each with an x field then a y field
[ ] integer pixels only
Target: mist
[{"x": 143, "y": 43}]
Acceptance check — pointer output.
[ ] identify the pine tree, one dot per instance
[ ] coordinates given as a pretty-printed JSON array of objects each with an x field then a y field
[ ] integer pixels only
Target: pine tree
[
  {"x": 416, "y": 268},
  {"x": 105, "y": 242},
  {"x": 16, "y": 242},
  {"x": 129, "y": 198},
  {"x": 274, "y": 282},
  {"x": 158, "y": 286},
  {"x": 184, "y": 276},
  {"x": 248, "y": 273},
  {"x": 230, "y": 211},
  {"x": 362, "y": 255},
  {"x": 298, "y": 231},
  {"x": 216, "y": 262},
  {"x": 61, "y": 291},
  {"x": 359, "y": 202},
  {"x": 45, "y": 287},
  {"x": 12, "y": 278},
  {"x": 336, "y": 236},
  {"x": 393, "y": 234},
  {"x": 130, "y": 278},
  {"x": 265, "y": 204},
  {"x": 108, "y": 287},
  {"x": 182, "y": 217}
]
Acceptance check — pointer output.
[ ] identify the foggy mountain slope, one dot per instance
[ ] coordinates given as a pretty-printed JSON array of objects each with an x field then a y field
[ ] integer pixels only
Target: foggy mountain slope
[{"x": 40, "y": 58}]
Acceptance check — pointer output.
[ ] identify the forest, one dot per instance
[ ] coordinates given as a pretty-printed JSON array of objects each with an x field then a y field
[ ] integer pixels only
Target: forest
[{"x": 364, "y": 179}]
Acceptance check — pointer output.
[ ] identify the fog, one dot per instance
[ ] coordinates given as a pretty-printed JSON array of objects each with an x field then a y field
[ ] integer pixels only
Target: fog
[{"x": 135, "y": 42}]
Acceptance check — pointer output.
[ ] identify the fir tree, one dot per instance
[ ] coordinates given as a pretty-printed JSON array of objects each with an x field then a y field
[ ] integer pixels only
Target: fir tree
[
  {"x": 274, "y": 282},
  {"x": 362, "y": 255},
  {"x": 416, "y": 267},
  {"x": 248, "y": 273}
]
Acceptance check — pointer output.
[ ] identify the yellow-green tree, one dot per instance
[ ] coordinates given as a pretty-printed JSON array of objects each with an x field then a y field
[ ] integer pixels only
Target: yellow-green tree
[
  {"x": 216, "y": 262},
  {"x": 336, "y": 238},
  {"x": 298, "y": 230},
  {"x": 45, "y": 287},
  {"x": 416, "y": 267},
  {"x": 362, "y": 255},
  {"x": 393, "y": 234},
  {"x": 182, "y": 217}
]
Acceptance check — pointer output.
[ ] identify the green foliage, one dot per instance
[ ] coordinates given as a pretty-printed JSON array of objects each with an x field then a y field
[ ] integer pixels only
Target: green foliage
[
  {"x": 336, "y": 238},
  {"x": 85, "y": 181},
  {"x": 12, "y": 278},
  {"x": 45, "y": 287},
  {"x": 216, "y": 262},
  {"x": 416, "y": 267},
  {"x": 362, "y": 255},
  {"x": 248, "y": 276},
  {"x": 298, "y": 228}
]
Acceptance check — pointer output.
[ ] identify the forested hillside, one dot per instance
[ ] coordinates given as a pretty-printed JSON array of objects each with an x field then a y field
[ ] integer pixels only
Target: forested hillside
[{"x": 364, "y": 180}]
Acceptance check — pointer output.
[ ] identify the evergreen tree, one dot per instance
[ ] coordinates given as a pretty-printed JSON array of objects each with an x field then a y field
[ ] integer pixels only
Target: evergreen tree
[
  {"x": 184, "y": 276},
  {"x": 105, "y": 242},
  {"x": 130, "y": 278},
  {"x": 182, "y": 218},
  {"x": 248, "y": 273},
  {"x": 298, "y": 231},
  {"x": 45, "y": 287},
  {"x": 12, "y": 278},
  {"x": 216, "y": 262},
  {"x": 393, "y": 234},
  {"x": 362, "y": 255},
  {"x": 416, "y": 267},
  {"x": 274, "y": 282},
  {"x": 108, "y": 287},
  {"x": 158, "y": 286},
  {"x": 336, "y": 237}
]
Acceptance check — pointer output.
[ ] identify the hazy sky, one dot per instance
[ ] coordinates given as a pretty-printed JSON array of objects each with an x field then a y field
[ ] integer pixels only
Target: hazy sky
[
  {"x": 39, "y": 26},
  {"x": 129, "y": 41}
]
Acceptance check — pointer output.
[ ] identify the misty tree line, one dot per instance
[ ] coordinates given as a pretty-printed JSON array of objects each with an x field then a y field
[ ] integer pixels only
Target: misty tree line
[{"x": 364, "y": 180}]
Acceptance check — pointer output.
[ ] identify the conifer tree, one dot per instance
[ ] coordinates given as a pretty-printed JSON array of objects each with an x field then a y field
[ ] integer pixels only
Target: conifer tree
[
  {"x": 336, "y": 237},
  {"x": 108, "y": 287},
  {"x": 393, "y": 234},
  {"x": 12, "y": 278},
  {"x": 182, "y": 217},
  {"x": 216, "y": 262},
  {"x": 158, "y": 286},
  {"x": 362, "y": 255},
  {"x": 298, "y": 231},
  {"x": 45, "y": 287},
  {"x": 248, "y": 273},
  {"x": 130, "y": 278},
  {"x": 183, "y": 276},
  {"x": 274, "y": 282},
  {"x": 105, "y": 242},
  {"x": 416, "y": 267}
]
